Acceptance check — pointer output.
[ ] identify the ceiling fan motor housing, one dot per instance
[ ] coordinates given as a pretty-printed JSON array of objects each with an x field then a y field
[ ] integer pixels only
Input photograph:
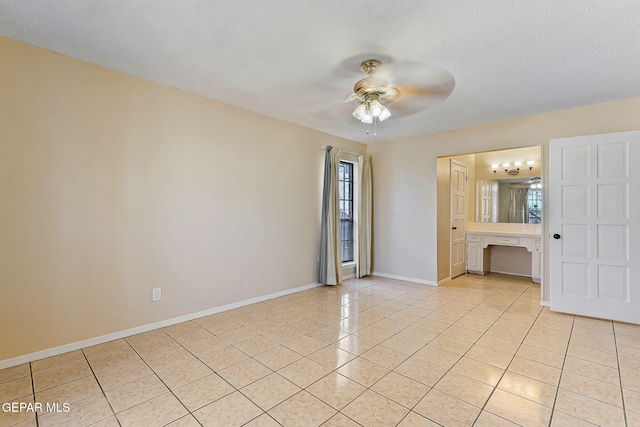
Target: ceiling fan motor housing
[{"x": 374, "y": 85}]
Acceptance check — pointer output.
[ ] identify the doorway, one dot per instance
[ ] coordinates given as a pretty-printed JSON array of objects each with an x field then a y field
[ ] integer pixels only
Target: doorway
[{"x": 480, "y": 168}]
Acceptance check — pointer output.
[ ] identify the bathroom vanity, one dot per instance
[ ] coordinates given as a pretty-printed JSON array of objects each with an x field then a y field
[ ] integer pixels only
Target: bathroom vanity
[{"x": 478, "y": 255}]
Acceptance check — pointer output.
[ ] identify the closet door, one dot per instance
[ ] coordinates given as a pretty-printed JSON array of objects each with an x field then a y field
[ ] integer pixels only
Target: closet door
[
  {"x": 594, "y": 225},
  {"x": 458, "y": 218}
]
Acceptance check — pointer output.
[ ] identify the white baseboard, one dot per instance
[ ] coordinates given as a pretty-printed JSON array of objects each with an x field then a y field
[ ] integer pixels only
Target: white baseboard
[
  {"x": 510, "y": 273},
  {"x": 544, "y": 303},
  {"x": 406, "y": 279},
  {"x": 443, "y": 281},
  {"x": 7, "y": 363}
]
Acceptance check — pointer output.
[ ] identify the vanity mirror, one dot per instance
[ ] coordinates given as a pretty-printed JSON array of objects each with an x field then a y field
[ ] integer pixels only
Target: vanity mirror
[{"x": 511, "y": 200}]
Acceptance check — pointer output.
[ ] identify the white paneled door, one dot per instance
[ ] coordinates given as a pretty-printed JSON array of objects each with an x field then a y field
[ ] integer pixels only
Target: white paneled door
[
  {"x": 594, "y": 226},
  {"x": 458, "y": 219}
]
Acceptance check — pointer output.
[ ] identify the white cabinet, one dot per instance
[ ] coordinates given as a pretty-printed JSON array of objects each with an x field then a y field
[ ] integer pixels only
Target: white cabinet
[
  {"x": 536, "y": 261},
  {"x": 475, "y": 254},
  {"x": 478, "y": 257}
]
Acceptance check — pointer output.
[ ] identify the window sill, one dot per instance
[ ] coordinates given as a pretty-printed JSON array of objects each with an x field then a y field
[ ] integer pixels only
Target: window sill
[{"x": 349, "y": 264}]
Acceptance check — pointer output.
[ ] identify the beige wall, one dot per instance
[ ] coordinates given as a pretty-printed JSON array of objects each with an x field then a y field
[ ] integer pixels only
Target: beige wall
[
  {"x": 405, "y": 177},
  {"x": 112, "y": 185}
]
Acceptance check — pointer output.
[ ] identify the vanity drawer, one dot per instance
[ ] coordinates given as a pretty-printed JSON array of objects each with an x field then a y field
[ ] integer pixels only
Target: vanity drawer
[
  {"x": 499, "y": 240},
  {"x": 474, "y": 238}
]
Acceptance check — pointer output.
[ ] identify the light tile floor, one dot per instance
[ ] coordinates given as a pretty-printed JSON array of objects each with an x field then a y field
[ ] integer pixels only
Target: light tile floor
[{"x": 479, "y": 351}]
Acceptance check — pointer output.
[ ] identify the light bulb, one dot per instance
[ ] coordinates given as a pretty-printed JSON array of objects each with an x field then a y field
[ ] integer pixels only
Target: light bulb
[
  {"x": 360, "y": 111},
  {"x": 385, "y": 114},
  {"x": 367, "y": 118},
  {"x": 517, "y": 164},
  {"x": 494, "y": 167},
  {"x": 506, "y": 165},
  {"x": 530, "y": 163},
  {"x": 375, "y": 107}
]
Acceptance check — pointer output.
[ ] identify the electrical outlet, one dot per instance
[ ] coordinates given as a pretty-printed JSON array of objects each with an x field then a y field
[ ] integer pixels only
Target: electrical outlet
[{"x": 157, "y": 294}]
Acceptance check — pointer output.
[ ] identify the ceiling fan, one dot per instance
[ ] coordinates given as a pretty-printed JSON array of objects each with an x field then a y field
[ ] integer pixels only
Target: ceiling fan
[{"x": 423, "y": 87}]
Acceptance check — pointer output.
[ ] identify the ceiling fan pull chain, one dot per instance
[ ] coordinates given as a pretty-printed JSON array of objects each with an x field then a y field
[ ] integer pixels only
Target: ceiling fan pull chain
[{"x": 375, "y": 127}]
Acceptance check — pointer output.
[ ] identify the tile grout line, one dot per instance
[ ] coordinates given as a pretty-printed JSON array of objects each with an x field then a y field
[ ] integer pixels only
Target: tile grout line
[
  {"x": 101, "y": 388},
  {"x": 334, "y": 370},
  {"x": 257, "y": 361},
  {"x": 213, "y": 372},
  {"x": 369, "y": 388},
  {"x": 162, "y": 381},
  {"x": 483, "y": 334},
  {"x": 356, "y": 356},
  {"x": 463, "y": 355},
  {"x": 615, "y": 342},
  {"x": 33, "y": 389},
  {"x": 564, "y": 361},
  {"x": 482, "y": 409}
]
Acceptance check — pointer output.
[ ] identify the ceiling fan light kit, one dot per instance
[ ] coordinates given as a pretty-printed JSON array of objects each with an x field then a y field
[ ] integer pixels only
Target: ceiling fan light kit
[
  {"x": 368, "y": 93},
  {"x": 371, "y": 108}
]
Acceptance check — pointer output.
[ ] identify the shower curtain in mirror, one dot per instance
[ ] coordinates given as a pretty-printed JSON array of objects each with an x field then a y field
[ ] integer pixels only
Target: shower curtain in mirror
[{"x": 519, "y": 205}]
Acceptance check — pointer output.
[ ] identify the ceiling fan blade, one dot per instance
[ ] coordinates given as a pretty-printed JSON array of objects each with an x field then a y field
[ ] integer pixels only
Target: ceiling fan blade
[
  {"x": 354, "y": 97},
  {"x": 421, "y": 86},
  {"x": 405, "y": 108},
  {"x": 415, "y": 100},
  {"x": 417, "y": 74},
  {"x": 432, "y": 91},
  {"x": 326, "y": 104}
]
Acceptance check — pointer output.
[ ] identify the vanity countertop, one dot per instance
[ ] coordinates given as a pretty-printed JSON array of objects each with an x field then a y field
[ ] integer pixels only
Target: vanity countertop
[{"x": 504, "y": 233}]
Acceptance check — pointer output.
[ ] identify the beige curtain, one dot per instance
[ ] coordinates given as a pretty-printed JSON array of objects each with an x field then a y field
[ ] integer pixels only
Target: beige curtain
[
  {"x": 364, "y": 217},
  {"x": 333, "y": 263}
]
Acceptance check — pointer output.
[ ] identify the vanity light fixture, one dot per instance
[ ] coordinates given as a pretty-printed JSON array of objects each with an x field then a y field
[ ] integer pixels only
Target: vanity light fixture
[{"x": 515, "y": 170}]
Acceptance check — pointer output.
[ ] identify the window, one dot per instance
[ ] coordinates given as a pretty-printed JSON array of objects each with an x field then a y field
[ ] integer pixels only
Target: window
[
  {"x": 345, "y": 183},
  {"x": 535, "y": 206}
]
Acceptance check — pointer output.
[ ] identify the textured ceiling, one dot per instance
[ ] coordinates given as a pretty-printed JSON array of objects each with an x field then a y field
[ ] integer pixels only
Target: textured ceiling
[{"x": 297, "y": 60}]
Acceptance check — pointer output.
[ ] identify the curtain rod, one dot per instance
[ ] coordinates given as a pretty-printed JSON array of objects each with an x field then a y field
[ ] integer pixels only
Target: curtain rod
[{"x": 324, "y": 147}]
